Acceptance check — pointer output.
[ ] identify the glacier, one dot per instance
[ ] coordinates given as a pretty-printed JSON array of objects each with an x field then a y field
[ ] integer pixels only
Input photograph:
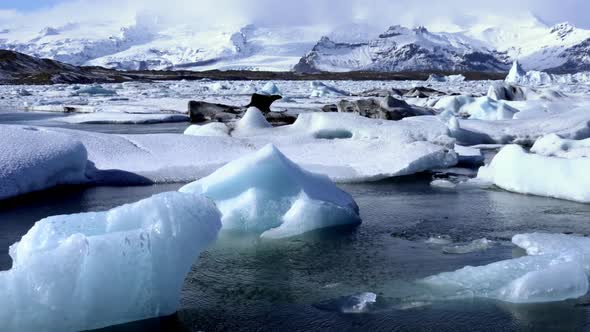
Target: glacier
[
  {"x": 91, "y": 270},
  {"x": 269, "y": 194}
]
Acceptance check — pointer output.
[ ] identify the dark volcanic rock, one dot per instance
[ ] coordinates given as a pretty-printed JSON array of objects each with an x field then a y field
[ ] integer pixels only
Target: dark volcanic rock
[
  {"x": 388, "y": 108},
  {"x": 423, "y": 92},
  {"x": 505, "y": 91},
  {"x": 263, "y": 102},
  {"x": 201, "y": 111}
]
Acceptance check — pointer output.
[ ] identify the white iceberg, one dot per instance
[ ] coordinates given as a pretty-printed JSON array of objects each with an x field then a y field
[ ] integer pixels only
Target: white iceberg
[
  {"x": 35, "y": 159},
  {"x": 515, "y": 170},
  {"x": 252, "y": 120},
  {"x": 573, "y": 124},
  {"x": 209, "y": 129},
  {"x": 473, "y": 246},
  {"x": 556, "y": 270},
  {"x": 553, "y": 145},
  {"x": 320, "y": 89},
  {"x": 482, "y": 108},
  {"x": 270, "y": 89},
  {"x": 267, "y": 193},
  {"x": 91, "y": 270}
]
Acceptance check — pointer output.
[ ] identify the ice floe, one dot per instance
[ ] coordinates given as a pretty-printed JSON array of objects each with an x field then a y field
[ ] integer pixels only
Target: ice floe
[
  {"x": 555, "y": 269},
  {"x": 553, "y": 145},
  {"x": 34, "y": 159},
  {"x": 482, "y": 108},
  {"x": 573, "y": 124},
  {"x": 267, "y": 193},
  {"x": 516, "y": 170},
  {"x": 320, "y": 89},
  {"x": 90, "y": 270}
]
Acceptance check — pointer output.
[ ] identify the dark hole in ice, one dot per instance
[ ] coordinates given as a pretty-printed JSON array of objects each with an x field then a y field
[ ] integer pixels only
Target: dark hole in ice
[{"x": 333, "y": 134}]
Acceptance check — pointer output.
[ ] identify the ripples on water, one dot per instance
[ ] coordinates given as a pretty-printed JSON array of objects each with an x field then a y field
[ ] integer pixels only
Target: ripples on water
[{"x": 243, "y": 283}]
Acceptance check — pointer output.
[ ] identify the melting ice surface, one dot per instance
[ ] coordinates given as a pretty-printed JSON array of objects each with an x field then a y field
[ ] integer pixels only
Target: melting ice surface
[
  {"x": 267, "y": 193},
  {"x": 556, "y": 269},
  {"x": 90, "y": 270}
]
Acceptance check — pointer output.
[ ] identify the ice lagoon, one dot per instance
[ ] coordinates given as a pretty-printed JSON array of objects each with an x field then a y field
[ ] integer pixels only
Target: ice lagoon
[{"x": 402, "y": 266}]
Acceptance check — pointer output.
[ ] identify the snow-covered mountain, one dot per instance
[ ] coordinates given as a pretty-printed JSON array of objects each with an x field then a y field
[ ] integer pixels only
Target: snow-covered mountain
[
  {"x": 146, "y": 43},
  {"x": 403, "y": 49},
  {"x": 535, "y": 44}
]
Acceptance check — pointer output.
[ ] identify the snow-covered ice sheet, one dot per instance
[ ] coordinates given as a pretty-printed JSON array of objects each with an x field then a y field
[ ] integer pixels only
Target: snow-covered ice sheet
[
  {"x": 345, "y": 147},
  {"x": 90, "y": 270},
  {"x": 553, "y": 145},
  {"x": 556, "y": 269},
  {"x": 33, "y": 159},
  {"x": 574, "y": 124},
  {"x": 351, "y": 148},
  {"x": 516, "y": 170},
  {"x": 123, "y": 118},
  {"x": 267, "y": 193}
]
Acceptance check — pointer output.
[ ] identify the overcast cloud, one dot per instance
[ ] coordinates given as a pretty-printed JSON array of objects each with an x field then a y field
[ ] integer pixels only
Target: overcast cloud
[{"x": 294, "y": 12}]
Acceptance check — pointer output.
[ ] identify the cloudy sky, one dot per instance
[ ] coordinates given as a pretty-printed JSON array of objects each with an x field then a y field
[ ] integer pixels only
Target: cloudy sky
[{"x": 300, "y": 12}]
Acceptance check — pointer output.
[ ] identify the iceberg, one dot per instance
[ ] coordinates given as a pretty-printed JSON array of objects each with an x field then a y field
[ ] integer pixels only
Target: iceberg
[
  {"x": 553, "y": 145},
  {"x": 515, "y": 170},
  {"x": 209, "y": 129},
  {"x": 482, "y": 108},
  {"x": 270, "y": 89},
  {"x": 269, "y": 194},
  {"x": 253, "y": 119},
  {"x": 556, "y": 269},
  {"x": 34, "y": 159},
  {"x": 90, "y": 270},
  {"x": 319, "y": 89},
  {"x": 572, "y": 124}
]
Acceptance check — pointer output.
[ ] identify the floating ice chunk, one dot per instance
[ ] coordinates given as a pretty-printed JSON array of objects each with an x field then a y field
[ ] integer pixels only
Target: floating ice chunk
[
  {"x": 95, "y": 90},
  {"x": 123, "y": 118},
  {"x": 439, "y": 240},
  {"x": 270, "y": 89},
  {"x": 574, "y": 124},
  {"x": 514, "y": 169},
  {"x": 253, "y": 119},
  {"x": 515, "y": 280},
  {"x": 483, "y": 108},
  {"x": 556, "y": 270},
  {"x": 553, "y": 145},
  {"x": 473, "y": 246},
  {"x": 469, "y": 155},
  {"x": 209, "y": 129},
  {"x": 441, "y": 183},
  {"x": 555, "y": 283},
  {"x": 517, "y": 74},
  {"x": 33, "y": 159},
  {"x": 446, "y": 79},
  {"x": 543, "y": 243},
  {"x": 319, "y": 89},
  {"x": 352, "y": 304},
  {"x": 267, "y": 193},
  {"x": 218, "y": 87},
  {"x": 91, "y": 270}
]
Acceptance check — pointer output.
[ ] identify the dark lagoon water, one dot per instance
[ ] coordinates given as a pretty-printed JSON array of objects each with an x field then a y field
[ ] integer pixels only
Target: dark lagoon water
[
  {"x": 245, "y": 284},
  {"x": 242, "y": 283}
]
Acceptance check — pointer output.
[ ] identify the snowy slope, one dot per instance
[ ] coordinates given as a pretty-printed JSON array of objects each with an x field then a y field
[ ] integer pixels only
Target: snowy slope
[
  {"x": 489, "y": 44},
  {"x": 535, "y": 44},
  {"x": 403, "y": 49}
]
